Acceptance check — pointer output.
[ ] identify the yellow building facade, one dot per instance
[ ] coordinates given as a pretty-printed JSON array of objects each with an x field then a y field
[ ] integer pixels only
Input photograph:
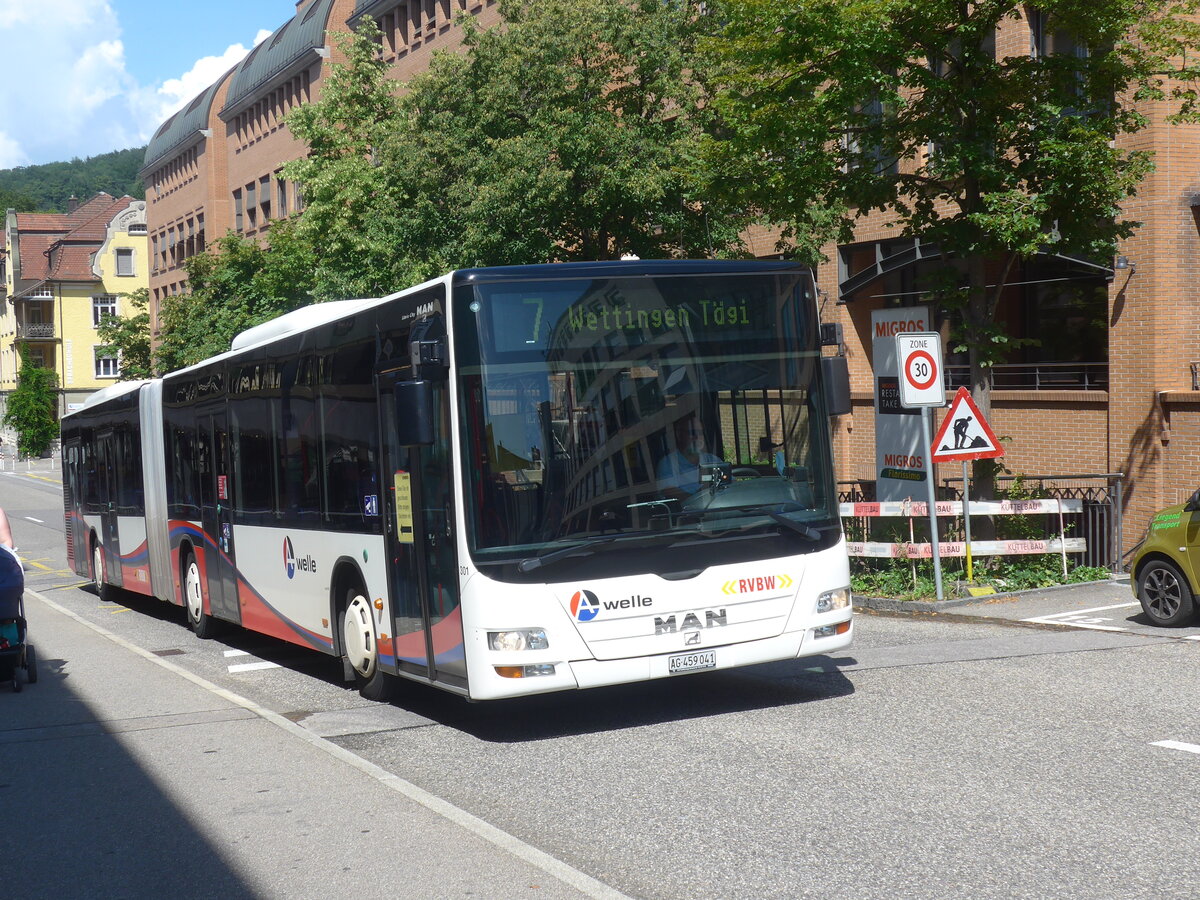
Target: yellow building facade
[{"x": 62, "y": 272}]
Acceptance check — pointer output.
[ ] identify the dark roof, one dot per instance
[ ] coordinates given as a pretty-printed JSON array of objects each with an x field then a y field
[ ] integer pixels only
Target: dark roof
[
  {"x": 183, "y": 126},
  {"x": 293, "y": 41}
]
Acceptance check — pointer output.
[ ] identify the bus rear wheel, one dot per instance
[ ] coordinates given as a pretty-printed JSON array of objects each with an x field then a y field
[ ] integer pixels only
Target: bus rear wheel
[
  {"x": 193, "y": 596},
  {"x": 98, "y": 570},
  {"x": 360, "y": 645}
]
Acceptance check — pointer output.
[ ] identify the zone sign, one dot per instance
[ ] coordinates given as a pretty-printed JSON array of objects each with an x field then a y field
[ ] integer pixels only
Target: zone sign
[{"x": 921, "y": 377}]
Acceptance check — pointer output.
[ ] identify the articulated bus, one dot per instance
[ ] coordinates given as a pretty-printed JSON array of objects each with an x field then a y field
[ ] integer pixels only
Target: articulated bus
[{"x": 502, "y": 482}]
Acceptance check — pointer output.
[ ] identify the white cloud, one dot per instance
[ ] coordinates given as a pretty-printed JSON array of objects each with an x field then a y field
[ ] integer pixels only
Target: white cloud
[
  {"x": 11, "y": 154},
  {"x": 174, "y": 93},
  {"x": 79, "y": 98}
]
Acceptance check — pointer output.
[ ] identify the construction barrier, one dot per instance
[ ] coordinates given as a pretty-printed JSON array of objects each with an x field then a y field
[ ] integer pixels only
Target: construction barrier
[{"x": 881, "y": 550}]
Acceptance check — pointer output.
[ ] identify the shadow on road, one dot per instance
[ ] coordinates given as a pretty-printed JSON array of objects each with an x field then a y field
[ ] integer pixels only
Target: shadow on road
[
  {"x": 628, "y": 706},
  {"x": 560, "y": 714},
  {"x": 82, "y": 817}
]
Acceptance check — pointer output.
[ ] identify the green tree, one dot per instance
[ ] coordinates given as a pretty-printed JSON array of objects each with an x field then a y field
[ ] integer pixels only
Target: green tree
[
  {"x": 838, "y": 108},
  {"x": 129, "y": 336},
  {"x": 233, "y": 286},
  {"x": 567, "y": 133},
  {"x": 32, "y": 409},
  {"x": 350, "y": 200}
]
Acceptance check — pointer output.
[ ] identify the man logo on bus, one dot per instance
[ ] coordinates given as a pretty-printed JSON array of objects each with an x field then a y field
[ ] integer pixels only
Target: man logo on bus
[
  {"x": 585, "y": 606},
  {"x": 289, "y": 557}
]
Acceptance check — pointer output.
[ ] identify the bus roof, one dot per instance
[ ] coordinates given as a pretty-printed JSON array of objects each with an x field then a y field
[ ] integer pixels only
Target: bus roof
[
  {"x": 108, "y": 393},
  {"x": 629, "y": 268}
]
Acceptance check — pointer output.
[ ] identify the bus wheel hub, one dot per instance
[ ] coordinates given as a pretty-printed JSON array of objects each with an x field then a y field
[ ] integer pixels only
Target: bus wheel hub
[{"x": 358, "y": 636}]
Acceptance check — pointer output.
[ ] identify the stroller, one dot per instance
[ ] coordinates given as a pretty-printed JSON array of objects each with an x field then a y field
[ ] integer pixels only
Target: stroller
[{"x": 15, "y": 652}]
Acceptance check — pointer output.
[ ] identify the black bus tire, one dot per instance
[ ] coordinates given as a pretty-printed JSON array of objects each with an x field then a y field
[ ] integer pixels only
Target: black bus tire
[
  {"x": 193, "y": 599},
  {"x": 360, "y": 645}
]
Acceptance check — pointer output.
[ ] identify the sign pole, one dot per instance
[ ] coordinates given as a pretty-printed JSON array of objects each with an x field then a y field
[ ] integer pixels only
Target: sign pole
[
  {"x": 926, "y": 428},
  {"x": 967, "y": 520}
]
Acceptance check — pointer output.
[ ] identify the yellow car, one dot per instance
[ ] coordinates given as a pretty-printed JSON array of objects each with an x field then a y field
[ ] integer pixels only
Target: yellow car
[{"x": 1164, "y": 567}]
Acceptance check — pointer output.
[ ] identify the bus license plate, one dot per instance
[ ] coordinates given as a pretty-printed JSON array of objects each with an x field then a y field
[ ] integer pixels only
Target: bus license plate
[{"x": 690, "y": 662}]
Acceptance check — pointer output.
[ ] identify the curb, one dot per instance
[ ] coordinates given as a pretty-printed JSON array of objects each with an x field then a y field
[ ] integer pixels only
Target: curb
[{"x": 891, "y": 604}]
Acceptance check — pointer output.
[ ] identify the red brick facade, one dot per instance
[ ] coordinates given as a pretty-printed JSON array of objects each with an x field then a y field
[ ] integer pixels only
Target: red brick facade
[{"x": 1146, "y": 424}]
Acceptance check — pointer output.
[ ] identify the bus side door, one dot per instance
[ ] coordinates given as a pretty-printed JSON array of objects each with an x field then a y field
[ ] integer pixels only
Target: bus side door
[
  {"x": 422, "y": 570},
  {"x": 106, "y": 488},
  {"x": 216, "y": 517}
]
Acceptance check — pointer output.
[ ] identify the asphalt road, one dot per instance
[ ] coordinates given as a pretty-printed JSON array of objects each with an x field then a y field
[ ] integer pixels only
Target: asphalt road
[{"x": 942, "y": 756}]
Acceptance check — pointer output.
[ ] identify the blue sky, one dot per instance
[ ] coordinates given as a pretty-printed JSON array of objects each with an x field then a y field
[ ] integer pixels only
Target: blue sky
[{"x": 83, "y": 77}]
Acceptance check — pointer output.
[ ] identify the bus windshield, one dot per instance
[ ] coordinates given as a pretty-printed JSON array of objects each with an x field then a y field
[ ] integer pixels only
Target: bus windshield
[{"x": 605, "y": 416}]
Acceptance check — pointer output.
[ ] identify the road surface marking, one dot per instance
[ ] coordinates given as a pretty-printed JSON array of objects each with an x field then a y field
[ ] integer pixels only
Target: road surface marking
[
  {"x": 229, "y": 653},
  {"x": 1177, "y": 745},
  {"x": 511, "y": 844},
  {"x": 1081, "y": 618},
  {"x": 32, "y": 519},
  {"x": 250, "y": 667}
]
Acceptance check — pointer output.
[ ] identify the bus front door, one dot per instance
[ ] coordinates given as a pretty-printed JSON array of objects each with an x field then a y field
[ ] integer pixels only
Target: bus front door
[
  {"x": 106, "y": 491},
  {"x": 216, "y": 517},
  {"x": 423, "y": 569}
]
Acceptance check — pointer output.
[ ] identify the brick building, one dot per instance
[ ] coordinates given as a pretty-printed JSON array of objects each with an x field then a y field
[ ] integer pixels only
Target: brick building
[
  {"x": 214, "y": 166},
  {"x": 1111, "y": 386},
  {"x": 61, "y": 272}
]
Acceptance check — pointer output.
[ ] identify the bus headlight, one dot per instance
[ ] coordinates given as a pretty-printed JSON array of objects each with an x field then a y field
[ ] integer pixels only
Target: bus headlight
[
  {"x": 515, "y": 641},
  {"x": 831, "y": 600}
]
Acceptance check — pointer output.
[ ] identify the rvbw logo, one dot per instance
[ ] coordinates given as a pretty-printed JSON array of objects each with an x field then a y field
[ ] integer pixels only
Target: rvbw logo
[{"x": 291, "y": 564}]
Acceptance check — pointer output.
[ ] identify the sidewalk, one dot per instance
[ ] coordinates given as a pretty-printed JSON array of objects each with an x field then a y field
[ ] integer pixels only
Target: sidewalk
[
  {"x": 1088, "y": 593},
  {"x": 124, "y": 776}
]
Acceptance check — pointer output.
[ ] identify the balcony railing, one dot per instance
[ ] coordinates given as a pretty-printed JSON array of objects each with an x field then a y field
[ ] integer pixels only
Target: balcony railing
[
  {"x": 1072, "y": 376},
  {"x": 36, "y": 330}
]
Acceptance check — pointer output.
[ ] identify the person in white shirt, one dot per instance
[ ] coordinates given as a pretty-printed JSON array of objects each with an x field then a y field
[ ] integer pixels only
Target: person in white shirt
[{"x": 679, "y": 471}]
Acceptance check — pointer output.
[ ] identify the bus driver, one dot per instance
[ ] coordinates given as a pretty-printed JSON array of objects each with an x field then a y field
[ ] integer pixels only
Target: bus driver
[{"x": 679, "y": 471}]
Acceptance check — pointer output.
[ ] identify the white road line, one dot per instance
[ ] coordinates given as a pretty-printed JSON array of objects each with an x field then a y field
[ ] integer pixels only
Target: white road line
[
  {"x": 1065, "y": 618},
  {"x": 229, "y": 653},
  {"x": 1080, "y": 612},
  {"x": 250, "y": 667},
  {"x": 1177, "y": 745},
  {"x": 581, "y": 881},
  {"x": 32, "y": 519}
]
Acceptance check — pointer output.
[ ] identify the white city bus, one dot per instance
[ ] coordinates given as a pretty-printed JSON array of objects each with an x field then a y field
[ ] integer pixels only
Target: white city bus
[{"x": 502, "y": 482}]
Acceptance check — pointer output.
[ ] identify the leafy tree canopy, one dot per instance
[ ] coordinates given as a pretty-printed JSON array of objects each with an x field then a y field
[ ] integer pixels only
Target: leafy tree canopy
[
  {"x": 920, "y": 108},
  {"x": 235, "y": 285},
  {"x": 32, "y": 409},
  {"x": 566, "y": 133},
  {"x": 129, "y": 336},
  {"x": 48, "y": 187}
]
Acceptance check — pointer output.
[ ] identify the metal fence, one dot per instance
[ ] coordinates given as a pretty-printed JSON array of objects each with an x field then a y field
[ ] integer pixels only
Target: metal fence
[{"x": 1100, "y": 522}]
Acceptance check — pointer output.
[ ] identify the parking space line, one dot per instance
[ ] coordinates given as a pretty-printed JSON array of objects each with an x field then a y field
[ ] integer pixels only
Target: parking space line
[
  {"x": 229, "y": 653},
  {"x": 1177, "y": 745}
]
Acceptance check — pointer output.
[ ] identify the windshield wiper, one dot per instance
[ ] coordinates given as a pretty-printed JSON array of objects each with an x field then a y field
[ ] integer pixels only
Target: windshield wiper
[
  {"x": 587, "y": 548},
  {"x": 806, "y": 531}
]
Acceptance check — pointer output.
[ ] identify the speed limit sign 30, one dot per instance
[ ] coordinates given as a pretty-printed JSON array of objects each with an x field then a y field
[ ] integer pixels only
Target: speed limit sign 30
[{"x": 921, "y": 376}]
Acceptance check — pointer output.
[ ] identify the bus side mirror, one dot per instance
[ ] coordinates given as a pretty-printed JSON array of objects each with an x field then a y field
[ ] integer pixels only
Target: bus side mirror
[
  {"x": 414, "y": 413},
  {"x": 835, "y": 376}
]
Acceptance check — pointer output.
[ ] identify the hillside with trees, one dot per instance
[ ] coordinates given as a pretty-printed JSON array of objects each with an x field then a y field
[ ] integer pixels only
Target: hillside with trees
[{"x": 48, "y": 187}]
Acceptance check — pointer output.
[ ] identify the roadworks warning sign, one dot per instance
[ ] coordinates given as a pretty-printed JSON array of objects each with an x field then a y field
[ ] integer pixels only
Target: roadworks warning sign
[{"x": 965, "y": 434}]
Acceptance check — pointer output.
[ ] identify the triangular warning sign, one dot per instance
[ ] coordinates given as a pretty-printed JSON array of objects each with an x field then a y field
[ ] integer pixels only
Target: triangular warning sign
[{"x": 965, "y": 434}]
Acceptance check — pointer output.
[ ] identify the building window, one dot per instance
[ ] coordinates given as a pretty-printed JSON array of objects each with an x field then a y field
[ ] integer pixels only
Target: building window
[
  {"x": 238, "y": 225},
  {"x": 282, "y": 212},
  {"x": 106, "y": 365},
  {"x": 137, "y": 228},
  {"x": 264, "y": 197},
  {"x": 41, "y": 293},
  {"x": 124, "y": 261},
  {"x": 251, "y": 207},
  {"x": 102, "y": 305}
]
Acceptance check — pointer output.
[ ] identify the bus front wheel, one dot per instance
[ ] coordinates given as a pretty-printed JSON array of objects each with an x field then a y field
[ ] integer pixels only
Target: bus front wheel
[
  {"x": 193, "y": 595},
  {"x": 360, "y": 644}
]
